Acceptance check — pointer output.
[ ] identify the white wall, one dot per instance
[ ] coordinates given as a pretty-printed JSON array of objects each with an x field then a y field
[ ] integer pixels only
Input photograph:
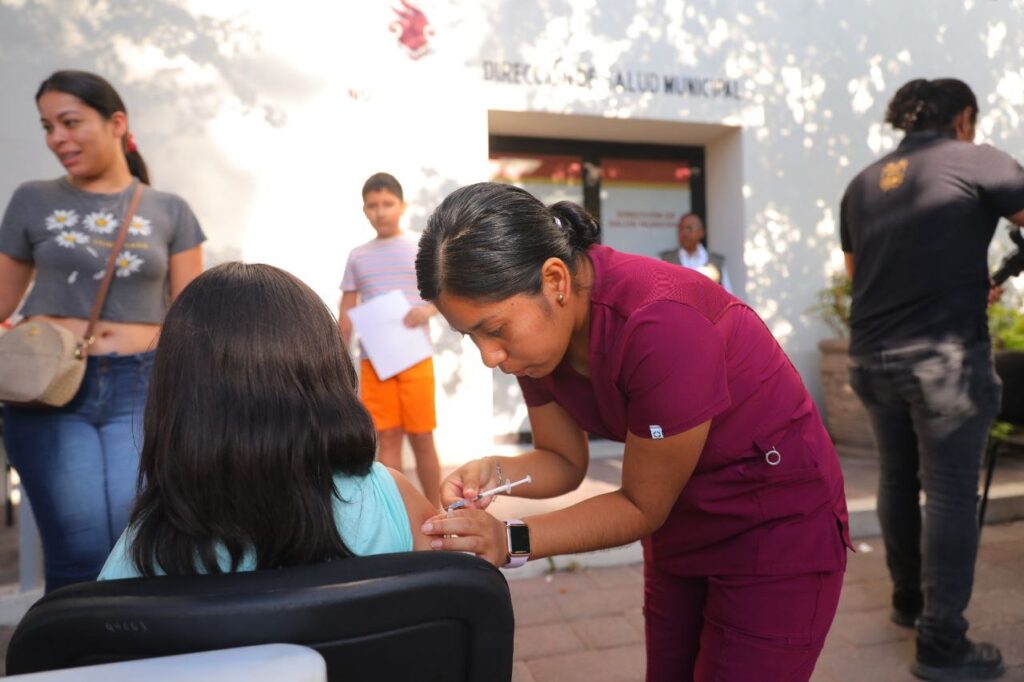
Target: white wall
[{"x": 268, "y": 116}]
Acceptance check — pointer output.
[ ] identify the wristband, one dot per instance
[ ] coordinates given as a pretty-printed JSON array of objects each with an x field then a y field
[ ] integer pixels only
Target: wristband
[{"x": 517, "y": 534}]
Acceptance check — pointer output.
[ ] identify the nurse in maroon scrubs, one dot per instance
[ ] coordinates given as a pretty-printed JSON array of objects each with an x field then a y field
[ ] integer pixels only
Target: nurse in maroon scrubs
[{"x": 729, "y": 477}]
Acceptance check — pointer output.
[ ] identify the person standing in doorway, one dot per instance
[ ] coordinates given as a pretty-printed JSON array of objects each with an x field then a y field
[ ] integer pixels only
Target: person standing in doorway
[
  {"x": 402, "y": 405},
  {"x": 692, "y": 254},
  {"x": 915, "y": 228}
]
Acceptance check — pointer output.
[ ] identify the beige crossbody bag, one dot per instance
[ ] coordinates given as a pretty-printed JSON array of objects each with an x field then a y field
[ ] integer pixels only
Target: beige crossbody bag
[{"x": 42, "y": 363}]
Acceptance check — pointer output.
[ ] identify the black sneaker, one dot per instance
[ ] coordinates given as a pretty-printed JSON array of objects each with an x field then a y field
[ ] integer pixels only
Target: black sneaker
[
  {"x": 981, "y": 661},
  {"x": 905, "y": 619}
]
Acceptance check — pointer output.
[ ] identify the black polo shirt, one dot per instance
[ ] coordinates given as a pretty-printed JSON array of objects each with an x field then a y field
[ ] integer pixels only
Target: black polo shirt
[{"x": 918, "y": 223}]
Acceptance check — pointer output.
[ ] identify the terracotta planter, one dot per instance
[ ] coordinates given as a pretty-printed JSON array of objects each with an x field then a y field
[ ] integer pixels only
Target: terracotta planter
[{"x": 845, "y": 417}]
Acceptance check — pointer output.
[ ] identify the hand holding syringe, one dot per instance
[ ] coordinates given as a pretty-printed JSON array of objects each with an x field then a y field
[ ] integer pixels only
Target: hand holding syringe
[{"x": 459, "y": 504}]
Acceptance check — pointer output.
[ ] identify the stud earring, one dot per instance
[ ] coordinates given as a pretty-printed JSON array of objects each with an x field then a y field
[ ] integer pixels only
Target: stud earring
[{"x": 561, "y": 297}]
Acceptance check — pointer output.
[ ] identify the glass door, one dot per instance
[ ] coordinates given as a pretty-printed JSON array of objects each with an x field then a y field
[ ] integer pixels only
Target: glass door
[{"x": 642, "y": 201}]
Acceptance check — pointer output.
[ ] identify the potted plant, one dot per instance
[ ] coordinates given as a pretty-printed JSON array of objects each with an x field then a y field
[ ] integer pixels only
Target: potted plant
[{"x": 845, "y": 417}]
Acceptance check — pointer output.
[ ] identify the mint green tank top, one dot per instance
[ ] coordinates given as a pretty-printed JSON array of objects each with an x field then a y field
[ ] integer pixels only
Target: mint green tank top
[{"x": 370, "y": 517}]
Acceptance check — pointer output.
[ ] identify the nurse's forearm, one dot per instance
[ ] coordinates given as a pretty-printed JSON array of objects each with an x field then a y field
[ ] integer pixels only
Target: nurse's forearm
[
  {"x": 552, "y": 474},
  {"x": 601, "y": 522}
]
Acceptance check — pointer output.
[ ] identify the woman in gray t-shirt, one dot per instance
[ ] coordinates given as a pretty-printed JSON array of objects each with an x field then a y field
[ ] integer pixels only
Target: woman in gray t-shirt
[{"x": 79, "y": 463}]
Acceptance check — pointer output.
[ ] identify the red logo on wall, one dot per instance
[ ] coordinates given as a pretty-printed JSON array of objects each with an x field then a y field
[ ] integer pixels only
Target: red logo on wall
[{"x": 414, "y": 31}]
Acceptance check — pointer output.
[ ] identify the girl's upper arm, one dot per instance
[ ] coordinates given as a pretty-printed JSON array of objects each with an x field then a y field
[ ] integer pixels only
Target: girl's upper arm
[
  {"x": 416, "y": 506},
  {"x": 184, "y": 267},
  {"x": 15, "y": 276}
]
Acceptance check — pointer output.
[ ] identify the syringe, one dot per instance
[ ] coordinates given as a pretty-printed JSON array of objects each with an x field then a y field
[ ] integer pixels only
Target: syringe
[{"x": 493, "y": 491}]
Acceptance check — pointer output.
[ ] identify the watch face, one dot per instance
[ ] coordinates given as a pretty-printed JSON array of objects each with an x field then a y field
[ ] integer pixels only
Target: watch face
[{"x": 518, "y": 540}]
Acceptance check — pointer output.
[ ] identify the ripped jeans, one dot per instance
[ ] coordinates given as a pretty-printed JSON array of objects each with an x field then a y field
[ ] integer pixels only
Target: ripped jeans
[{"x": 931, "y": 406}]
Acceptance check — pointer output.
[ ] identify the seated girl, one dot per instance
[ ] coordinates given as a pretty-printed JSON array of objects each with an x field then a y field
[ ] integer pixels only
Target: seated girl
[{"x": 256, "y": 451}]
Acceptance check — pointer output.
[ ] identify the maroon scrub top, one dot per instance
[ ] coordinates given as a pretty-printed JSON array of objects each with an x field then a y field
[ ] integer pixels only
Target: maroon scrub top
[{"x": 669, "y": 350}]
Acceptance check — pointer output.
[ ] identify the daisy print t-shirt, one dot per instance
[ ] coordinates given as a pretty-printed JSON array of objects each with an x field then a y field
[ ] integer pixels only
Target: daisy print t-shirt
[{"x": 68, "y": 234}]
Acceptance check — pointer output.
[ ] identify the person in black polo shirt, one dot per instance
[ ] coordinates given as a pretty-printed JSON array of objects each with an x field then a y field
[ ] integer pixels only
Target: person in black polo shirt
[{"x": 915, "y": 228}]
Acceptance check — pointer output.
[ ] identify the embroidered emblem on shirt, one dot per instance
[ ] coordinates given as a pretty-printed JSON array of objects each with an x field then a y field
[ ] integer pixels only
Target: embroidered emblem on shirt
[
  {"x": 893, "y": 174},
  {"x": 656, "y": 432}
]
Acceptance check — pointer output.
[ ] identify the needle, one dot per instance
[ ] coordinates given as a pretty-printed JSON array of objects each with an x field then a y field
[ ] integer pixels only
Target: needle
[{"x": 493, "y": 491}]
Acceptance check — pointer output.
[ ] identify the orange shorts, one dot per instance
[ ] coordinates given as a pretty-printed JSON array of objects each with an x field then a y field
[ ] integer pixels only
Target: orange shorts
[{"x": 405, "y": 400}]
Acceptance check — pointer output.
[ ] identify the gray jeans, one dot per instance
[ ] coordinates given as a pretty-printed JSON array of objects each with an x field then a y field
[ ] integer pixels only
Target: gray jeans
[{"x": 931, "y": 406}]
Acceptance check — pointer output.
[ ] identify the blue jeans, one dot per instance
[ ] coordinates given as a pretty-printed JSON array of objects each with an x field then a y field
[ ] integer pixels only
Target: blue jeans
[
  {"x": 931, "y": 406},
  {"x": 79, "y": 464}
]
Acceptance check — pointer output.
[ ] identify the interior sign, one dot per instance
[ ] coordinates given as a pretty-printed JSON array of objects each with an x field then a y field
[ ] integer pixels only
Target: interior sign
[{"x": 560, "y": 74}]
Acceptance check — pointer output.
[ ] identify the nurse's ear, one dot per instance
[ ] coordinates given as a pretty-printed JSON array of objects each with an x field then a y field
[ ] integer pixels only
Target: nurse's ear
[{"x": 556, "y": 281}]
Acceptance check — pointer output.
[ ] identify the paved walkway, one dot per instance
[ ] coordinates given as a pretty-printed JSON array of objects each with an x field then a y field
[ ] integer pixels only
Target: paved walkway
[
  {"x": 584, "y": 622},
  {"x": 587, "y": 625}
]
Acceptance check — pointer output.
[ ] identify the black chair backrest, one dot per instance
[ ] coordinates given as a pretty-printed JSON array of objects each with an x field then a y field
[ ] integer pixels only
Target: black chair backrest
[
  {"x": 408, "y": 616},
  {"x": 1010, "y": 368}
]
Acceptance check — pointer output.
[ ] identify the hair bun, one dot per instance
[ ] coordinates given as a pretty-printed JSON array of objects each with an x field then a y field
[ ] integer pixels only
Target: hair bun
[{"x": 581, "y": 227}]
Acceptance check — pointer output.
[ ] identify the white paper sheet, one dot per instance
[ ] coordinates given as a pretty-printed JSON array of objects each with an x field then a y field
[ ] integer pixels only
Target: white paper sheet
[{"x": 390, "y": 345}]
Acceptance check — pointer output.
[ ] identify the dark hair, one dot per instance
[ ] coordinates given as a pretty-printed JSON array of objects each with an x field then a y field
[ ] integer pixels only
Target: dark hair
[
  {"x": 252, "y": 409},
  {"x": 382, "y": 181},
  {"x": 488, "y": 242},
  {"x": 100, "y": 95},
  {"x": 930, "y": 105}
]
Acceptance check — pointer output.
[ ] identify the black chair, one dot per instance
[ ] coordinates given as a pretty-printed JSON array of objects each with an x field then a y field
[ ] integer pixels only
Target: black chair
[
  {"x": 409, "y": 616},
  {"x": 1010, "y": 368}
]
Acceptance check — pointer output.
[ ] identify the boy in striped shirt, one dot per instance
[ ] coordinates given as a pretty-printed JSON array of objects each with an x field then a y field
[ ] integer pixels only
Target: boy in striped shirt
[{"x": 402, "y": 405}]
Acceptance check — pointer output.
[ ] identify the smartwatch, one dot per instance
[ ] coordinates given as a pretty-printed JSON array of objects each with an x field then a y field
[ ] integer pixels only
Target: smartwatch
[{"x": 518, "y": 535}]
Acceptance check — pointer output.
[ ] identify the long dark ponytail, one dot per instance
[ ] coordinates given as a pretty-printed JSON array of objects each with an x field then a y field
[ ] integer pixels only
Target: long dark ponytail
[
  {"x": 488, "y": 241},
  {"x": 100, "y": 95},
  {"x": 930, "y": 105}
]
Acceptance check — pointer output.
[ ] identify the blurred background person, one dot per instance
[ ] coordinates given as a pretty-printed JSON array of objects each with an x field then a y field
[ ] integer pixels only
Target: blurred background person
[
  {"x": 692, "y": 254},
  {"x": 79, "y": 463},
  {"x": 402, "y": 405},
  {"x": 915, "y": 227}
]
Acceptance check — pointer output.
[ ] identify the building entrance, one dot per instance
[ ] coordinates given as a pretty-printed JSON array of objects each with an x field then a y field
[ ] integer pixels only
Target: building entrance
[{"x": 637, "y": 192}]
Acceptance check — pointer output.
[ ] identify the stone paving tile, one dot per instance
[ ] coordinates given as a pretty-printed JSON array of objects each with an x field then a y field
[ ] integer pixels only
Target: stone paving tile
[
  {"x": 999, "y": 553},
  {"x": 521, "y": 672},
  {"x": 536, "y": 611},
  {"x": 621, "y": 664},
  {"x": 1009, "y": 639},
  {"x": 865, "y": 566},
  {"x": 1001, "y": 532},
  {"x": 599, "y": 602},
  {"x": 535, "y": 641},
  {"x": 560, "y": 582},
  {"x": 5, "y": 639},
  {"x": 996, "y": 576},
  {"x": 604, "y": 632},
  {"x": 625, "y": 576},
  {"x": 888, "y": 662},
  {"x": 832, "y": 657},
  {"x": 997, "y": 607},
  {"x": 635, "y": 617},
  {"x": 866, "y": 596},
  {"x": 868, "y": 628}
]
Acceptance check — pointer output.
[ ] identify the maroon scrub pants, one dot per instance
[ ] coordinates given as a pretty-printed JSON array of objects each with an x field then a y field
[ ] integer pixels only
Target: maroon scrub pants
[{"x": 737, "y": 628}]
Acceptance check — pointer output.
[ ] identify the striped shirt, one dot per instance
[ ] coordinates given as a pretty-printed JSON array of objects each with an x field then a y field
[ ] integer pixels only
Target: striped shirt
[{"x": 383, "y": 265}]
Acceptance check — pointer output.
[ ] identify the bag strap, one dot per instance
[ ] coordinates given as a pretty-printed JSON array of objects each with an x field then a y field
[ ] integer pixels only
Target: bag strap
[{"x": 115, "y": 251}]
